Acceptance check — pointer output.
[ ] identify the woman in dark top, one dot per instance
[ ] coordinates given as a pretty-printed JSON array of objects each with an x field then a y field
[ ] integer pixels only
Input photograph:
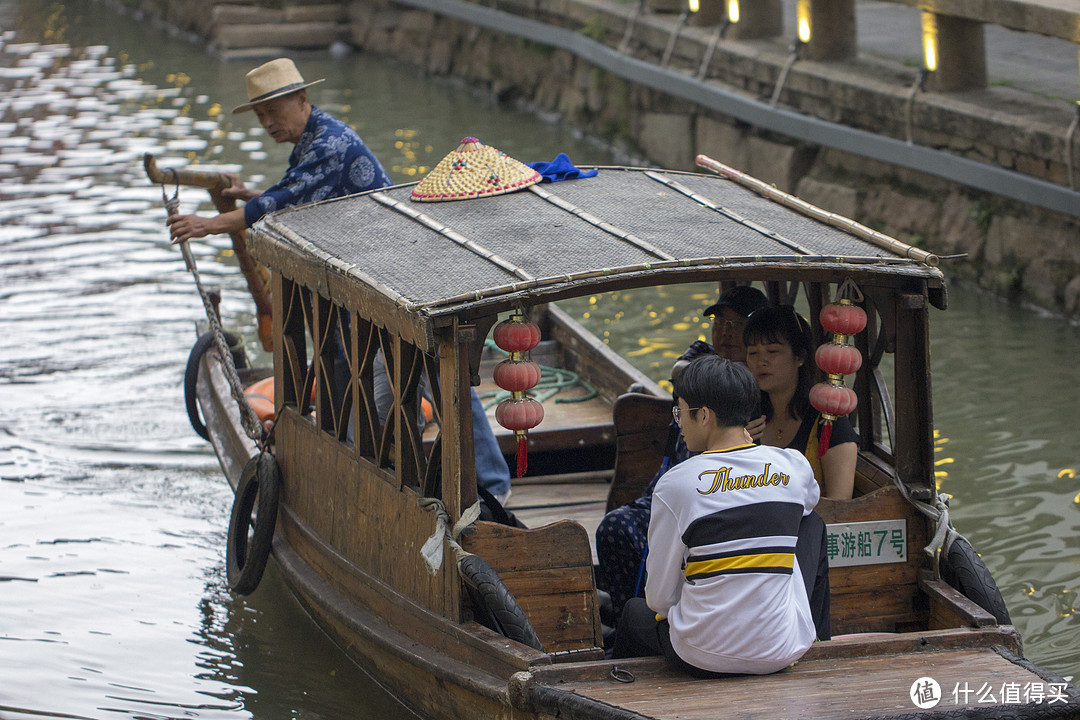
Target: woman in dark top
[{"x": 780, "y": 354}]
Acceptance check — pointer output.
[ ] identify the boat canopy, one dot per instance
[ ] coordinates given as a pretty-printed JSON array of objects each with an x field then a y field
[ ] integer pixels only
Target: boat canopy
[{"x": 383, "y": 254}]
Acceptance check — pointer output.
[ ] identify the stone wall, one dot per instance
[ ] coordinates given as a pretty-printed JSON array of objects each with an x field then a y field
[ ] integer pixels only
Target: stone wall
[{"x": 1006, "y": 246}]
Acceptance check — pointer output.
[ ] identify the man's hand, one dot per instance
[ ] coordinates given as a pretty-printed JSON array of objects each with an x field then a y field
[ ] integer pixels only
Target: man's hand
[
  {"x": 237, "y": 190},
  {"x": 755, "y": 428},
  {"x": 185, "y": 227}
]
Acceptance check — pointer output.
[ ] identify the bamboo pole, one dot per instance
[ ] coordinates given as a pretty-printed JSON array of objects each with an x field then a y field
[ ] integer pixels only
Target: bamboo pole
[{"x": 256, "y": 275}]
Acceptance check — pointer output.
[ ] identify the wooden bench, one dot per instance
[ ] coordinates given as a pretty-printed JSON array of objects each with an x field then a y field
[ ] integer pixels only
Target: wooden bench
[
  {"x": 549, "y": 570},
  {"x": 884, "y": 597},
  {"x": 641, "y": 424}
]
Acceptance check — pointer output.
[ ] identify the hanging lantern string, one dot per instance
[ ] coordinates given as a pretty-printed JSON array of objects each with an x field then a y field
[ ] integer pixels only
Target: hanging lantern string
[
  {"x": 518, "y": 374},
  {"x": 838, "y": 358}
]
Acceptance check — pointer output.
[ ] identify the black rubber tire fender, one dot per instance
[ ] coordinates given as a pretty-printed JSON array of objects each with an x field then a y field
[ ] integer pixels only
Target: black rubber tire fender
[
  {"x": 963, "y": 569},
  {"x": 496, "y": 607},
  {"x": 191, "y": 376},
  {"x": 254, "y": 511}
]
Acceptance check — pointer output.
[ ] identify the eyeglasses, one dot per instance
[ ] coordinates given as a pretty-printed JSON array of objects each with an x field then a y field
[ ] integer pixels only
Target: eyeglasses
[
  {"x": 676, "y": 412},
  {"x": 728, "y": 325}
]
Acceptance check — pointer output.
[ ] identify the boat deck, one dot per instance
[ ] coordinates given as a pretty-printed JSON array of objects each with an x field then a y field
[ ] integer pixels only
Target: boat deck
[{"x": 819, "y": 686}]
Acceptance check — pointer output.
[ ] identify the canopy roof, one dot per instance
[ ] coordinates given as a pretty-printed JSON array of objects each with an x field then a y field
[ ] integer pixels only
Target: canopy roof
[{"x": 624, "y": 227}]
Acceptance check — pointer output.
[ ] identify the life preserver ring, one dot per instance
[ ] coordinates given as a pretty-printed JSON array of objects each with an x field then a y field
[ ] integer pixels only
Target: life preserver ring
[
  {"x": 496, "y": 608},
  {"x": 963, "y": 569},
  {"x": 246, "y": 555},
  {"x": 260, "y": 396},
  {"x": 191, "y": 375}
]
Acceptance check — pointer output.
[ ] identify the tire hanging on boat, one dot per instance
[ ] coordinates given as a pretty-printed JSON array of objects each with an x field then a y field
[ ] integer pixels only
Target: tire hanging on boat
[
  {"x": 496, "y": 607},
  {"x": 963, "y": 569},
  {"x": 254, "y": 509},
  {"x": 191, "y": 376}
]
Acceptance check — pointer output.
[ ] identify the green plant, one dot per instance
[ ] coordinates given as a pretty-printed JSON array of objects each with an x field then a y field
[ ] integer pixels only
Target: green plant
[{"x": 982, "y": 214}]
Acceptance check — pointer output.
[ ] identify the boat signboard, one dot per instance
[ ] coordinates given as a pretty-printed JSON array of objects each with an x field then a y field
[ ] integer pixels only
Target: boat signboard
[{"x": 867, "y": 543}]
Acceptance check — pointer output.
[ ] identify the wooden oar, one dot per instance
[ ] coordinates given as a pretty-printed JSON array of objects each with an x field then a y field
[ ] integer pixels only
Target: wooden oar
[{"x": 257, "y": 275}]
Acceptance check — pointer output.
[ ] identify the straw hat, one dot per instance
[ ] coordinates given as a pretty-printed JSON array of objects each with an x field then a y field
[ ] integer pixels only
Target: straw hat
[
  {"x": 273, "y": 79},
  {"x": 474, "y": 170}
]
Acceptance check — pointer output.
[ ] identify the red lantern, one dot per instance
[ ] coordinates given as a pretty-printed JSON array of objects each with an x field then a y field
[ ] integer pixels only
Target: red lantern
[
  {"x": 516, "y": 375},
  {"x": 843, "y": 318},
  {"x": 836, "y": 359},
  {"x": 519, "y": 415},
  {"x": 516, "y": 334},
  {"x": 835, "y": 400}
]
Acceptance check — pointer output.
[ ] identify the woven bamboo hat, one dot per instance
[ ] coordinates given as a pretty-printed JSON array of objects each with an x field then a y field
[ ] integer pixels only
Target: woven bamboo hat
[
  {"x": 474, "y": 170},
  {"x": 273, "y": 79}
]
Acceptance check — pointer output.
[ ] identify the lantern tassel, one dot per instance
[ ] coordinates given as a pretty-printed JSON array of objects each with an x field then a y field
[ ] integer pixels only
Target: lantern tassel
[
  {"x": 823, "y": 442},
  {"x": 522, "y": 456}
]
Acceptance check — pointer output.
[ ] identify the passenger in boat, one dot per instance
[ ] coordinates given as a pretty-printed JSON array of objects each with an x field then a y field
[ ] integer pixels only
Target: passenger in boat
[
  {"x": 329, "y": 160},
  {"x": 780, "y": 354},
  {"x": 621, "y": 534},
  {"x": 731, "y": 529},
  {"x": 492, "y": 472}
]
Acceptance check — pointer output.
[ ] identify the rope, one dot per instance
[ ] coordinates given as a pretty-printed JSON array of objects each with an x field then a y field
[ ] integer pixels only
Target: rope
[
  {"x": 248, "y": 419},
  {"x": 431, "y": 550},
  {"x": 552, "y": 381},
  {"x": 944, "y": 533}
]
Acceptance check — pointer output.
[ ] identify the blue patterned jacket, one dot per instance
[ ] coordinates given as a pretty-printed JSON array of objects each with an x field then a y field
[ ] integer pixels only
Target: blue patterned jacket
[{"x": 329, "y": 161}]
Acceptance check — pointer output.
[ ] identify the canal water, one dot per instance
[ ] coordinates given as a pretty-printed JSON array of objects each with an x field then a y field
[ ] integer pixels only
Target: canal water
[{"x": 113, "y": 514}]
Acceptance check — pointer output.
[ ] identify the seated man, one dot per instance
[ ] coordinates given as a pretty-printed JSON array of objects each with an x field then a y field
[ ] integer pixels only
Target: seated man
[
  {"x": 725, "y": 590},
  {"x": 620, "y": 537}
]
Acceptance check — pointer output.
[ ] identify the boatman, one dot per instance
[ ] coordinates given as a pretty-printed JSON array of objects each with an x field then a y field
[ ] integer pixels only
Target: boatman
[
  {"x": 725, "y": 590},
  {"x": 329, "y": 160}
]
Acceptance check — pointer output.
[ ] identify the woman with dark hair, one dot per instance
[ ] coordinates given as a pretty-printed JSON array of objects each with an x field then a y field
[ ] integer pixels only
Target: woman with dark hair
[{"x": 780, "y": 354}]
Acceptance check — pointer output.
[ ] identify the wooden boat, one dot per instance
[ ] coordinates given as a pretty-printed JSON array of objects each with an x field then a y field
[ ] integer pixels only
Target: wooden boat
[{"x": 358, "y": 501}]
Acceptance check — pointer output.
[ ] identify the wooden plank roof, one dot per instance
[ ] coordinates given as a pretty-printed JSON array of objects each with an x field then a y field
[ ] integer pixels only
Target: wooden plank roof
[{"x": 626, "y": 225}]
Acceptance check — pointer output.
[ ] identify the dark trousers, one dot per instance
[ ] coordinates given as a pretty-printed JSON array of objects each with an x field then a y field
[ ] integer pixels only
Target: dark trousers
[
  {"x": 640, "y": 634},
  {"x": 812, "y": 554}
]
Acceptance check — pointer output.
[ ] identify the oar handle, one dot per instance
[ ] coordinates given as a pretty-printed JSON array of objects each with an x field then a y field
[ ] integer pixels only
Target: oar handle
[
  {"x": 215, "y": 183},
  {"x": 212, "y": 181}
]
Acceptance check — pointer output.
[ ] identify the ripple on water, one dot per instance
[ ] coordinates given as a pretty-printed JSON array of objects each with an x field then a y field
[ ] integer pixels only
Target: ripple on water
[{"x": 93, "y": 429}]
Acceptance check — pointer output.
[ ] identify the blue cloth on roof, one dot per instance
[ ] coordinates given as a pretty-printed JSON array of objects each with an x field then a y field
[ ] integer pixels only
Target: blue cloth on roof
[
  {"x": 560, "y": 169},
  {"x": 329, "y": 161}
]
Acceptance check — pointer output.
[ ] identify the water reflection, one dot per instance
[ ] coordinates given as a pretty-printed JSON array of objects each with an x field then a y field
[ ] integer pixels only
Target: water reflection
[{"x": 113, "y": 513}]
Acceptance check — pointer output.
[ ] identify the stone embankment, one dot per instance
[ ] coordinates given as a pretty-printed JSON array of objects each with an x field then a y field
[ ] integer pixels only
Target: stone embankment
[{"x": 1011, "y": 247}]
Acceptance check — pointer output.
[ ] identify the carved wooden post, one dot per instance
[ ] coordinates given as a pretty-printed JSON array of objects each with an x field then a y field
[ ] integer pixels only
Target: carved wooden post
[
  {"x": 458, "y": 459},
  {"x": 958, "y": 47},
  {"x": 830, "y": 25}
]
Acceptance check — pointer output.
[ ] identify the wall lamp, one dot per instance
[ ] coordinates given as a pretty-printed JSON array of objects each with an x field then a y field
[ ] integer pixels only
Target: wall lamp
[
  {"x": 930, "y": 62},
  {"x": 801, "y": 38}
]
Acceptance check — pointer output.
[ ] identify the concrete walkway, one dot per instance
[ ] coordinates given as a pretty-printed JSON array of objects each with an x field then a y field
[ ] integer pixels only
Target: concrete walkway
[{"x": 1024, "y": 61}]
